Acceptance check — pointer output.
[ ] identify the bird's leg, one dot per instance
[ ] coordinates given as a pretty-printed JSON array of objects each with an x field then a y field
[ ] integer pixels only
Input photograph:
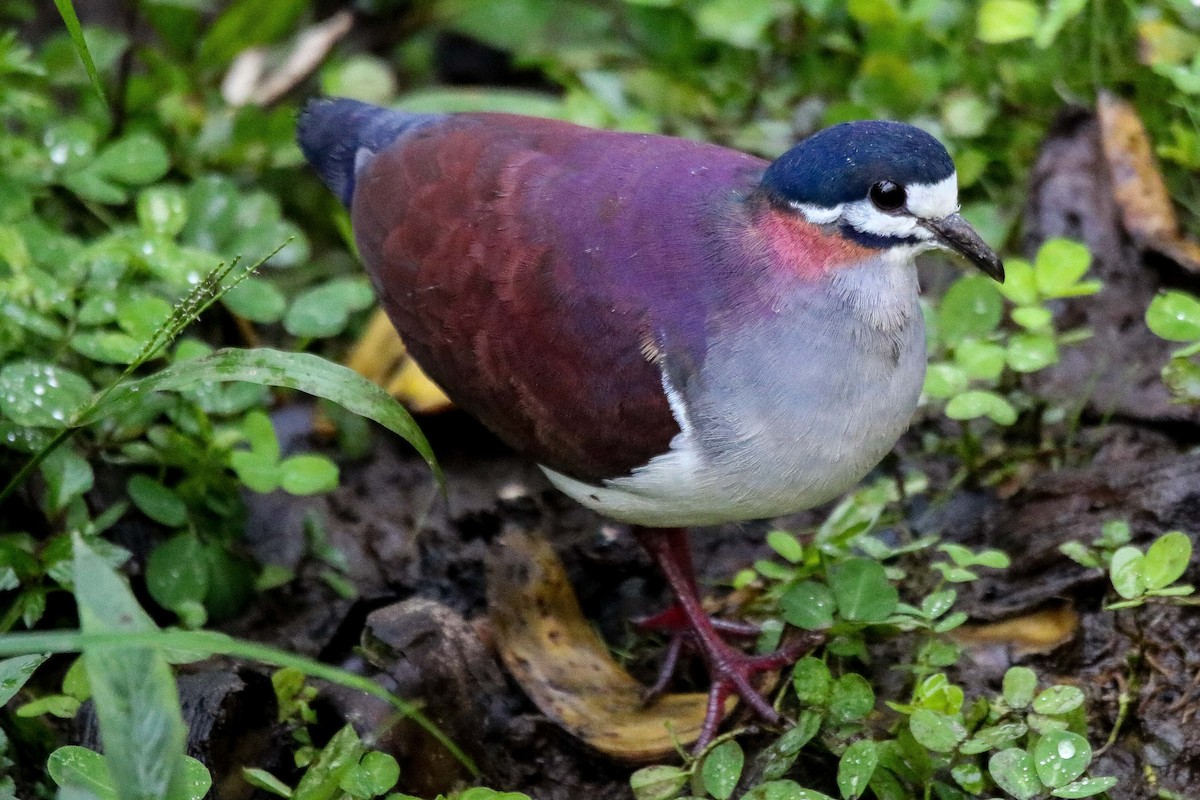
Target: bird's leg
[{"x": 730, "y": 669}]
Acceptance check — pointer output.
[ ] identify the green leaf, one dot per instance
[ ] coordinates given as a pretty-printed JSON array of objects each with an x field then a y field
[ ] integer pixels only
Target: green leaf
[
  {"x": 81, "y": 768},
  {"x": 256, "y": 300},
  {"x": 1013, "y": 771},
  {"x": 975, "y": 404},
  {"x": 41, "y": 395},
  {"x": 1166, "y": 560},
  {"x": 786, "y": 545},
  {"x": 261, "y": 779},
  {"x": 303, "y": 371},
  {"x": 66, "y": 9},
  {"x": 14, "y": 672},
  {"x": 1058, "y": 15},
  {"x": 971, "y": 307},
  {"x": 1020, "y": 283},
  {"x": 177, "y": 573},
  {"x": 68, "y": 475},
  {"x": 969, "y": 776},
  {"x": 982, "y": 361},
  {"x": 741, "y": 23},
  {"x": 156, "y": 501},
  {"x": 1061, "y": 757},
  {"x": 943, "y": 381},
  {"x": 782, "y": 790},
  {"x": 1126, "y": 572},
  {"x": 141, "y": 315},
  {"x": 1174, "y": 316},
  {"x": 108, "y": 347},
  {"x": 777, "y": 759},
  {"x": 722, "y": 768},
  {"x": 808, "y": 605},
  {"x": 307, "y": 474},
  {"x": 995, "y": 737},
  {"x": 938, "y": 603},
  {"x": 1085, "y": 787},
  {"x": 1029, "y": 352},
  {"x": 247, "y": 23},
  {"x": 658, "y": 782},
  {"x": 1019, "y": 685},
  {"x": 855, "y": 768},
  {"x": 374, "y": 775},
  {"x": 1059, "y": 265},
  {"x": 133, "y": 160},
  {"x": 1033, "y": 318},
  {"x": 1003, "y": 21},
  {"x": 325, "y": 310},
  {"x": 850, "y": 699},
  {"x": 940, "y": 733},
  {"x": 1182, "y": 377},
  {"x": 1058, "y": 700},
  {"x": 323, "y": 778},
  {"x": 58, "y": 705},
  {"x": 862, "y": 590},
  {"x": 133, "y": 689},
  {"x": 812, "y": 682},
  {"x": 162, "y": 210}
]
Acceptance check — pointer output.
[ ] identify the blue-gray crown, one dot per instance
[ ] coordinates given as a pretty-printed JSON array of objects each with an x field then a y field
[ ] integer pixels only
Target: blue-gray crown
[{"x": 842, "y": 163}]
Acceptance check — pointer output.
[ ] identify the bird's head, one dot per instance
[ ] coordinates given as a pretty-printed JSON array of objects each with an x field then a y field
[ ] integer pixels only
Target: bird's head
[{"x": 883, "y": 185}]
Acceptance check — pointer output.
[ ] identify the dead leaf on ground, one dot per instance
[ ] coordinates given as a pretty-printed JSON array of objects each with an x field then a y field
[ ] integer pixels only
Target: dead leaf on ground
[
  {"x": 1137, "y": 183},
  {"x": 380, "y": 356},
  {"x": 1039, "y": 632},
  {"x": 564, "y": 666}
]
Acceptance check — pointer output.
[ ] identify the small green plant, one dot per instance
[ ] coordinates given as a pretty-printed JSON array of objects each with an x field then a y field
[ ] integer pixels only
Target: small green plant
[
  {"x": 1137, "y": 577},
  {"x": 1175, "y": 316}
]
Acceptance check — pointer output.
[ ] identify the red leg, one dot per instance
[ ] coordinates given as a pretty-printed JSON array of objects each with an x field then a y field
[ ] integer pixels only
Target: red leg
[{"x": 730, "y": 669}]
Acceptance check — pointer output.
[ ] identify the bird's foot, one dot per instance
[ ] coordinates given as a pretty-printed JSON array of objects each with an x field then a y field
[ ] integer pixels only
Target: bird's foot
[{"x": 672, "y": 620}]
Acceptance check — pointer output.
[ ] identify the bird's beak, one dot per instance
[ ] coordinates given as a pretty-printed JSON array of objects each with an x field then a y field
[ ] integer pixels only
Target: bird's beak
[{"x": 955, "y": 233}]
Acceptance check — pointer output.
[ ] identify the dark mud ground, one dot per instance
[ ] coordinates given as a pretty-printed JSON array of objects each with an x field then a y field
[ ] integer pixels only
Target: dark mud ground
[{"x": 417, "y": 561}]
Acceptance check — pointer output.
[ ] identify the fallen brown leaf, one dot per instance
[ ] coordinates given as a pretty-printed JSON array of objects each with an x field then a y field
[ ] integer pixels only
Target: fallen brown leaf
[
  {"x": 1039, "y": 632},
  {"x": 564, "y": 666},
  {"x": 1137, "y": 183}
]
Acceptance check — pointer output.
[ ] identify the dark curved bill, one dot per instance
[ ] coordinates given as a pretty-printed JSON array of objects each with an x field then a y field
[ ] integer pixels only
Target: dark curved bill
[{"x": 955, "y": 233}]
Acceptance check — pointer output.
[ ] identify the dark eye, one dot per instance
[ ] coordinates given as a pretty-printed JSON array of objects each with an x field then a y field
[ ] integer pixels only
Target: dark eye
[{"x": 888, "y": 196}]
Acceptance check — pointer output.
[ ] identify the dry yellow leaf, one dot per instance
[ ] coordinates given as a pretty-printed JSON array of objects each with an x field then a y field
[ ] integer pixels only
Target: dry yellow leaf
[{"x": 380, "y": 357}]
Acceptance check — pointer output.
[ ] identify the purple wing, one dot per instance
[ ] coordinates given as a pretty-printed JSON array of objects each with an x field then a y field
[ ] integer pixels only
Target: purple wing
[{"x": 544, "y": 273}]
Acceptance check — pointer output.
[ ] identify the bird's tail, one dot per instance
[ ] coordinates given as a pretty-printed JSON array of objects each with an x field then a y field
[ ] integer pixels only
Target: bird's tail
[{"x": 336, "y": 134}]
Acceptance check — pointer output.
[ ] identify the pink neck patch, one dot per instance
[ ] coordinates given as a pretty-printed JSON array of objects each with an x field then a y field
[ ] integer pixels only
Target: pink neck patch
[{"x": 803, "y": 248}]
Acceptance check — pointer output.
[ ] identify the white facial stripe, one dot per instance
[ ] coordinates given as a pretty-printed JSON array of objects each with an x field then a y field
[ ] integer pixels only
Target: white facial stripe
[
  {"x": 933, "y": 200},
  {"x": 864, "y": 216},
  {"x": 818, "y": 215}
]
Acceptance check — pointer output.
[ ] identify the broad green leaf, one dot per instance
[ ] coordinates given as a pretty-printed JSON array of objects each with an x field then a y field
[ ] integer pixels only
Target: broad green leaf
[
  {"x": 375, "y": 774},
  {"x": 1020, "y": 284},
  {"x": 943, "y": 381},
  {"x": 162, "y": 210},
  {"x": 722, "y": 768},
  {"x": 975, "y": 404},
  {"x": 256, "y": 300},
  {"x": 41, "y": 395},
  {"x": 360, "y": 76},
  {"x": 1003, "y": 21},
  {"x": 812, "y": 682},
  {"x": 1013, "y": 771},
  {"x": 133, "y": 689},
  {"x": 1166, "y": 560},
  {"x": 14, "y": 672},
  {"x": 969, "y": 776},
  {"x": 177, "y": 573},
  {"x": 68, "y": 475},
  {"x": 133, "y": 160},
  {"x": 261, "y": 779},
  {"x": 1085, "y": 787},
  {"x": 808, "y": 605},
  {"x": 325, "y": 310},
  {"x": 57, "y": 705},
  {"x": 994, "y": 738},
  {"x": 307, "y": 474},
  {"x": 141, "y": 315},
  {"x": 1175, "y": 316},
  {"x": 1019, "y": 685},
  {"x": 741, "y": 23},
  {"x": 156, "y": 501},
  {"x": 1029, "y": 352},
  {"x": 782, "y": 790},
  {"x": 851, "y": 698},
  {"x": 1033, "y": 318},
  {"x": 81, "y": 768},
  {"x": 1059, "y": 265},
  {"x": 777, "y": 759},
  {"x": 246, "y": 23},
  {"x": 303, "y": 371},
  {"x": 982, "y": 361},
  {"x": 938, "y": 603},
  {"x": 1058, "y": 700},
  {"x": 108, "y": 347},
  {"x": 971, "y": 307},
  {"x": 940, "y": 733},
  {"x": 1058, "y": 15},
  {"x": 1182, "y": 377},
  {"x": 1061, "y": 757},
  {"x": 862, "y": 590},
  {"x": 323, "y": 778},
  {"x": 855, "y": 768},
  {"x": 786, "y": 545},
  {"x": 658, "y": 782},
  {"x": 1126, "y": 572}
]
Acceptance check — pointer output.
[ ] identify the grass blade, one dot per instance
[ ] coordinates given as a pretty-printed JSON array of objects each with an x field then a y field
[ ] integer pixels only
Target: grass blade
[
  {"x": 66, "y": 10},
  {"x": 304, "y": 371}
]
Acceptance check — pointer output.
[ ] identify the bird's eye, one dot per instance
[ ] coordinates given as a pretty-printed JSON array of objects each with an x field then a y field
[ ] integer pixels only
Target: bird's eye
[{"x": 888, "y": 196}]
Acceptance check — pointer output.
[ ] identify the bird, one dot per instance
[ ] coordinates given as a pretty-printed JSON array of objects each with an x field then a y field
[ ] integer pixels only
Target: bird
[{"x": 679, "y": 334}]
